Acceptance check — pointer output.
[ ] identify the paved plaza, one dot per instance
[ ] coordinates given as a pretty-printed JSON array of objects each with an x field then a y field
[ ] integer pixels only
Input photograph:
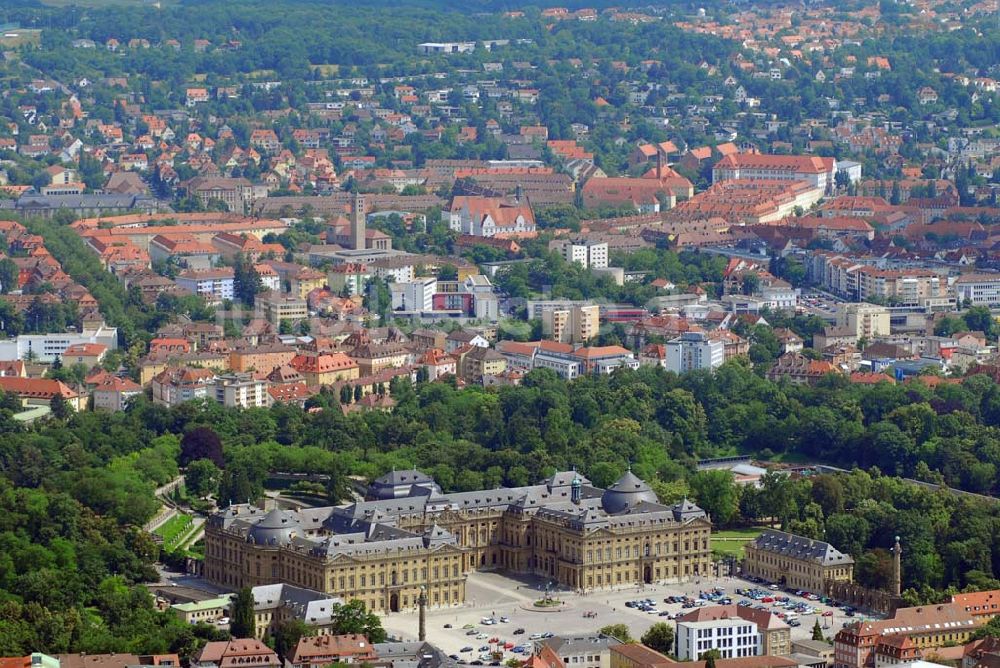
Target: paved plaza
[{"x": 493, "y": 594}]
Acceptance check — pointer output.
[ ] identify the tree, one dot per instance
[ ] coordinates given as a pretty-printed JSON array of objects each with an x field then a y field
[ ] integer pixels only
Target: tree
[
  {"x": 202, "y": 478},
  {"x": 710, "y": 656},
  {"x": 715, "y": 491},
  {"x": 817, "y": 632},
  {"x": 896, "y": 198},
  {"x": 242, "y": 619},
  {"x": 659, "y": 637},
  {"x": 617, "y": 631},
  {"x": 60, "y": 407},
  {"x": 354, "y": 618},
  {"x": 979, "y": 318},
  {"x": 287, "y": 635},
  {"x": 202, "y": 443},
  {"x": 8, "y": 275}
]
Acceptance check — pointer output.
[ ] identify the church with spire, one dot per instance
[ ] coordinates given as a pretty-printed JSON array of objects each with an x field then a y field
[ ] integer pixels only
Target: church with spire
[{"x": 409, "y": 537}]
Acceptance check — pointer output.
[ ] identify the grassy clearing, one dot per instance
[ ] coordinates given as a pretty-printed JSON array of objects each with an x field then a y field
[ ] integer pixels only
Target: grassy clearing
[
  {"x": 17, "y": 37},
  {"x": 729, "y": 543}
]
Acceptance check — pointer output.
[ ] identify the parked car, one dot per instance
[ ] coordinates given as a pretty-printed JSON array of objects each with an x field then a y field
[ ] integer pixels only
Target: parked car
[
  {"x": 518, "y": 631},
  {"x": 447, "y": 626},
  {"x": 466, "y": 649}
]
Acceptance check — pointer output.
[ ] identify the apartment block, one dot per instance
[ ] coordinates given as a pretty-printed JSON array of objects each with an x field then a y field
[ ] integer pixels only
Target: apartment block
[
  {"x": 586, "y": 253},
  {"x": 692, "y": 351},
  {"x": 575, "y": 324},
  {"x": 864, "y": 320}
]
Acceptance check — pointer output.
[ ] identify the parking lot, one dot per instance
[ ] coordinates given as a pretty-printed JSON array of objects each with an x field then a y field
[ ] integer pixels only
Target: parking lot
[{"x": 492, "y": 595}]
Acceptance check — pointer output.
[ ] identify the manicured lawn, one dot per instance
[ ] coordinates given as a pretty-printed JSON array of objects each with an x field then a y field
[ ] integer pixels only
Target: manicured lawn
[
  {"x": 731, "y": 541},
  {"x": 171, "y": 530}
]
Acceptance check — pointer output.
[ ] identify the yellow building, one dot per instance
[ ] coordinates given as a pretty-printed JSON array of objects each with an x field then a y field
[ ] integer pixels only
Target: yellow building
[
  {"x": 410, "y": 534},
  {"x": 794, "y": 561},
  {"x": 325, "y": 368}
]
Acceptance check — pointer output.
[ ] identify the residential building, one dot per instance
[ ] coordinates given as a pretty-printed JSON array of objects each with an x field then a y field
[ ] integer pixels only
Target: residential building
[
  {"x": 350, "y": 277},
  {"x": 383, "y": 552},
  {"x": 262, "y": 357},
  {"x": 438, "y": 364},
  {"x": 321, "y": 651},
  {"x": 460, "y": 337},
  {"x": 982, "y": 605},
  {"x": 373, "y": 358},
  {"x": 635, "y": 655},
  {"x": 215, "y": 285},
  {"x": 586, "y": 253},
  {"x": 692, "y": 351},
  {"x": 878, "y": 642},
  {"x": 324, "y": 368},
  {"x": 478, "y": 363},
  {"x": 800, "y": 370},
  {"x": 113, "y": 393},
  {"x": 864, "y": 321},
  {"x": 235, "y": 652},
  {"x": 88, "y": 354},
  {"x": 794, "y": 561},
  {"x": 175, "y": 385},
  {"x": 242, "y": 390},
  {"x": 574, "y": 324}
]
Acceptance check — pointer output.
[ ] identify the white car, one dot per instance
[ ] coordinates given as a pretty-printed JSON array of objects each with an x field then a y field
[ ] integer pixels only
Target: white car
[
  {"x": 222, "y": 621},
  {"x": 535, "y": 636}
]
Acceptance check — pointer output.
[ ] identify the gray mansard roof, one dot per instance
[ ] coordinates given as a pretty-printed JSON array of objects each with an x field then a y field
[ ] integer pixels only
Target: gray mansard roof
[{"x": 798, "y": 547}]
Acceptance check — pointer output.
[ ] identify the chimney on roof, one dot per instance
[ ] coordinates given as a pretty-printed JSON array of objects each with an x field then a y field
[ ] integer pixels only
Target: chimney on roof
[{"x": 358, "y": 222}]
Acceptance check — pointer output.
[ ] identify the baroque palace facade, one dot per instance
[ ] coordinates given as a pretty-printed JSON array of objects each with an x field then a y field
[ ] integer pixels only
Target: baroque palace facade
[{"x": 410, "y": 535}]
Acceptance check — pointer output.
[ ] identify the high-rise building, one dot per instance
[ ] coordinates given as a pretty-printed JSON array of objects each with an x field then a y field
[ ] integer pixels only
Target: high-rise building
[{"x": 572, "y": 324}]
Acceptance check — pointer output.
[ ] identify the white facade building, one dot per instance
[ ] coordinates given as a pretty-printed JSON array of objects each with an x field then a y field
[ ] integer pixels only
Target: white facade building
[
  {"x": 733, "y": 638},
  {"x": 588, "y": 254},
  {"x": 692, "y": 351},
  {"x": 47, "y": 347},
  {"x": 565, "y": 367},
  {"x": 242, "y": 390},
  {"x": 978, "y": 289},
  {"x": 215, "y": 285},
  {"x": 414, "y": 295}
]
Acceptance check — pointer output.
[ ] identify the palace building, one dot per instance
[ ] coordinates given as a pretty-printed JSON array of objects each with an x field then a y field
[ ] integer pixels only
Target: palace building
[
  {"x": 795, "y": 561},
  {"x": 409, "y": 535}
]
